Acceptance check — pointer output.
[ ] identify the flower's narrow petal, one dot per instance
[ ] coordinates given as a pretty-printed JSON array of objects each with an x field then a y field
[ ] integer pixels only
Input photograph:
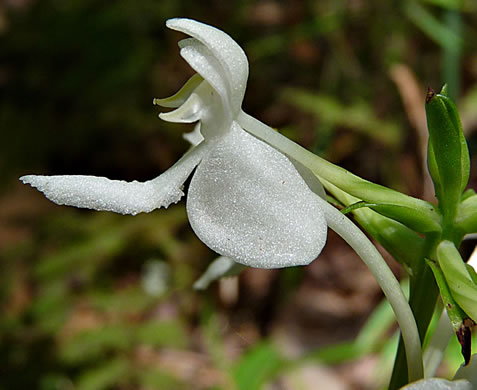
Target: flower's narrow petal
[
  {"x": 246, "y": 201},
  {"x": 100, "y": 193},
  {"x": 182, "y": 95},
  {"x": 195, "y": 137},
  {"x": 189, "y": 112},
  {"x": 201, "y": 60},
  {"x": 219, "y": 268},
  {"x": 224, "y": 48}
]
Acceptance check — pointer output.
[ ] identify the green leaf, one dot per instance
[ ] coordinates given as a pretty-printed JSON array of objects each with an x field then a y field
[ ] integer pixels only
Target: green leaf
[
  {"x": 257, "y": 366},
  {"x": 466, "y": 219},
  {"x": 455, "y": 313},
  {"x": 445, "y": 90},
  {"x": 461, "y": 284},
  {"x": 472, "y": 272},
  {"x": 465, "y": 156},
  {"x": 434, "y": 170},
  {"x": 427, "y": 22}
]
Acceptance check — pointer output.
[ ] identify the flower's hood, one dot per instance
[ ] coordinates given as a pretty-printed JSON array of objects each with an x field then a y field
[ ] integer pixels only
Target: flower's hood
[{"x": 217, "y": 58}]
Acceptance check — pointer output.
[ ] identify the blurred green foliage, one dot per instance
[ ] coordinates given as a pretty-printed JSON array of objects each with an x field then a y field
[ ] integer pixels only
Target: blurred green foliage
[{"x": 77, "y": 78}]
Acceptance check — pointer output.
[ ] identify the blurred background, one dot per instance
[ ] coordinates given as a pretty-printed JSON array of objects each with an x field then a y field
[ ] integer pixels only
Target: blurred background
[{"x": 93, "y": 300}]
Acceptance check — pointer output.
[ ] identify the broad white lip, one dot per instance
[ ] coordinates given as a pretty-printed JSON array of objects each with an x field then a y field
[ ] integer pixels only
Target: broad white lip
[{"x": 247, "y": 201}]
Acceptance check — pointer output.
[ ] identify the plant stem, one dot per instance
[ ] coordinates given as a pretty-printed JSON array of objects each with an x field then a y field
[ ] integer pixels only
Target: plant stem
[
  {"x": 422, "y": 299},
  {"x": 388, "y": 282}
]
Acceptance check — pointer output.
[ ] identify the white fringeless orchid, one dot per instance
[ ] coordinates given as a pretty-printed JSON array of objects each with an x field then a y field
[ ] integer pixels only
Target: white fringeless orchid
[
  {"x": 246, "y": 200},
  {"x": 253, "y": 197}
]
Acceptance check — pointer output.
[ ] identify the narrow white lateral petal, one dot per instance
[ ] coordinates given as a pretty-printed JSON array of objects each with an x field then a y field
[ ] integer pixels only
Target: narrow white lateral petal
[
  {"x": 100, "y": 193},
  {"x": 246, "y": 201},
  {"x": 202, "y": 61},
  {"x": 224, "y": 48}
]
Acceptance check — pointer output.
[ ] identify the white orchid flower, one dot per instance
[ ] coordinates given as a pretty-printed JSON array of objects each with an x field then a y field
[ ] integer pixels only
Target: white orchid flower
[
  {"x": 246, "y": 200},
  {"x": 252, "y": 198}
]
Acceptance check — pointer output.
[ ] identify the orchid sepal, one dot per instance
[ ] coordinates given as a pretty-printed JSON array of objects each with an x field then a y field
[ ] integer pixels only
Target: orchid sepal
[{"x": 100, "y": 193}]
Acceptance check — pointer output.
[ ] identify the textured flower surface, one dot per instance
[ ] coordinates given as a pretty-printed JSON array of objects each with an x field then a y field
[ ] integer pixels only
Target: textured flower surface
[
  {"x": 246, "y": 200},
  {"x": 439, "y": 384}
]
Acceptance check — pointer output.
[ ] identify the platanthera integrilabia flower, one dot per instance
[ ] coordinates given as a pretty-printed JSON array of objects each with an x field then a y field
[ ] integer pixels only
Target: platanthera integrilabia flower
[
  {"x": 246, "y": 200},
  {"x": 253, "y": 197}
]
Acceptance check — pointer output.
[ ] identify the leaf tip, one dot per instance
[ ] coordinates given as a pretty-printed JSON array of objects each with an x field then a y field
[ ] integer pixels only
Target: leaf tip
[{"x": 445, "y": 90}]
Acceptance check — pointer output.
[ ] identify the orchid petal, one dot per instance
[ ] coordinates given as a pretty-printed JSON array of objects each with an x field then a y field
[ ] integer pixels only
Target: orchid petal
[
  {"x": 100, "y": 193},
  {"x": 182, "y": 95},
  {"x": 246, "y": 201},
  {"x": 225, "y": 49},
  {"x": 202, "y": 61}
]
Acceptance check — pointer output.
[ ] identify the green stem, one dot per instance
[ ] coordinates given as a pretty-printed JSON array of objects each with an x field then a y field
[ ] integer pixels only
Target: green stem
[
  {"x": 422, "y": 298},
  {"x": 419, "y": 212},
  {"x": 388, "y": 282}
]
